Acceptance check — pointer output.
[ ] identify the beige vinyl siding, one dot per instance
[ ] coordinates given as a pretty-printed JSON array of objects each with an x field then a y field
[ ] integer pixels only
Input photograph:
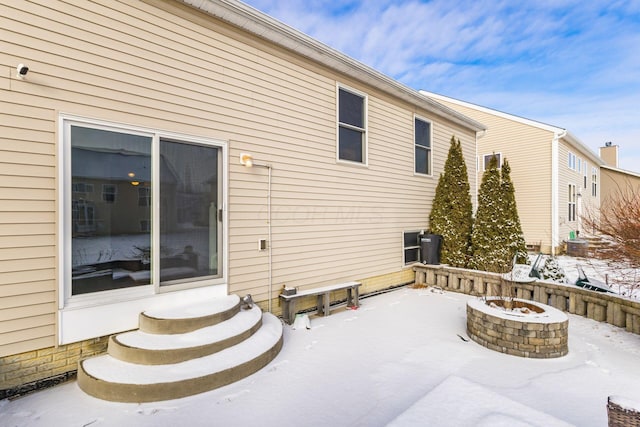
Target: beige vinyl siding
[
  {"x": 586, "y": 201},
  {"x": 27, "y": 225},
  {"x": 528, "y": 151},
  {"x": 173, "y": 69},
  {"x": 613, "y": 181}
]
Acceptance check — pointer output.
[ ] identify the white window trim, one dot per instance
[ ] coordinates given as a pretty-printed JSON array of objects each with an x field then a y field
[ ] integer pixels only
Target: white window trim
[
  {"x": 571, "y": 161},
  {"x": 365, "y": 142},
  {"x": 484, "y": 156},
  {"x": 404, "y": 248},
  {"x": 572, "y": 202},
  {"x": 430, "y": 174},
  {"x": 93, "y": 315}
]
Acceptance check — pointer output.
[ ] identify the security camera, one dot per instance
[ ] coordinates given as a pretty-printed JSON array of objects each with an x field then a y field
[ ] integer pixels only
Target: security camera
[{"x": 22, "y": 70}]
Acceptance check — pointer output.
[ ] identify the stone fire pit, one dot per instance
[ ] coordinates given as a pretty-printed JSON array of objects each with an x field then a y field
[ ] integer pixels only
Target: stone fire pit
[{"x": 518, "y": 327}]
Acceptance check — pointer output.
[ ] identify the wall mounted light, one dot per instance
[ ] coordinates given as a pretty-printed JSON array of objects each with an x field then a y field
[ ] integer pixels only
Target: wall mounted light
[
  {"x": 22, "y": 71},
  {"x": 246, "y": 159}
]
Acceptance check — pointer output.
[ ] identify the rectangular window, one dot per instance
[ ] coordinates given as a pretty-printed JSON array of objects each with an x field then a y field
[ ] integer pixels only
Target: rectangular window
[
  {"x": 411, "y": 247},
  {"x": 594, "y": 182},
  {"x": 572, "y": 161},
  {"x": 82, "y": 187},
  {"x": 487, "y": 159},
  {"x": 422, "y": 141},
  {"x": 578, "y": 164},
  {"x": 109, "y": 193},
  {"x": 119, "y": 239},
  {"x": 572, "y": 202},
  {"x": 145, "y": 225},
  {"x": 352, "y": 126},
  {"x": 585, "y": 167},
  {"x": 144, "y": 196}
]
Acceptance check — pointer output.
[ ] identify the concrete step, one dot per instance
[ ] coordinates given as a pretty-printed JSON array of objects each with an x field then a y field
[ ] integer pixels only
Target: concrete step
[
  {"x": 156, "y": 349},
  {"x": 145, "y": 367},
  {"x": 181, "y": 319}
]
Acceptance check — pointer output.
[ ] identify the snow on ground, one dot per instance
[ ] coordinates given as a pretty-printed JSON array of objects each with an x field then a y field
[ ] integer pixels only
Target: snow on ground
[
  {"x": 397, "y": 360},
  {"x": 621, "y": 279}
]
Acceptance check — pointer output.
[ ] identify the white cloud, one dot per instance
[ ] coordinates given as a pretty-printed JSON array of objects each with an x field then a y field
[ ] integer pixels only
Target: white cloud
[{"x": 569, "y": 63}]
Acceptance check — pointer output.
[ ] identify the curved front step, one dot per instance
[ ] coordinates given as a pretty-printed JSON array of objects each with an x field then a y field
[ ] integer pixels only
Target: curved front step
[
  {"x": 179, "y": 320},
  {"x": 155, "y": 349},
  {"x": 111, "y": 379}
]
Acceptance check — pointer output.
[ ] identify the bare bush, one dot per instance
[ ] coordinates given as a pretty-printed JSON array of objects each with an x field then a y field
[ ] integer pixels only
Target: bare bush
[{"x": 618, "y": 224}]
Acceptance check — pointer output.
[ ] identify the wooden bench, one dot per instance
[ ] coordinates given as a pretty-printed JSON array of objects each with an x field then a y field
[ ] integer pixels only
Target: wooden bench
[{"x": 324, "y": 301}]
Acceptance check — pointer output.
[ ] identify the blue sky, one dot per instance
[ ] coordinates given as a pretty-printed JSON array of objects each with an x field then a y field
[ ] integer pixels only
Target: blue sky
[{"x": 572, "y": 64}]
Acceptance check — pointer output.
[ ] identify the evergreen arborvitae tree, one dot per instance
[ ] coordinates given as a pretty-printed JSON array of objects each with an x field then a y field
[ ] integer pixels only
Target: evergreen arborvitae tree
[
  {"x": 511, "y": 228},
  {"x": 490, "y": 247},
  {"x": 497, "y": 233},
  {"x": 452, "y": 212},
  {"x": 552, "y": 270}
]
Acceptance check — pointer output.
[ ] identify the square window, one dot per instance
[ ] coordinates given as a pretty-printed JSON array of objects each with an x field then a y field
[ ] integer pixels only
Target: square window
[{"x": 487, "y": 159}]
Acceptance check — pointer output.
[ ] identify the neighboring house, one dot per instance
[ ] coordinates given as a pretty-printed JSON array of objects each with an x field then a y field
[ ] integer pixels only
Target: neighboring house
[
  {"x": 615, "y": 182},
  {"x": 556, "y": 177},
  {"x": 121, "y": 187}
]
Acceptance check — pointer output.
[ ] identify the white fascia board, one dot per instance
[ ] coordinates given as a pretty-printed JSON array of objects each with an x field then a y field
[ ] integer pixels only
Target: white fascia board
[
  {"x": 579, "y": 145},
  {"x": 261, "y": 25},
  {"x": 622, "y": 171}
]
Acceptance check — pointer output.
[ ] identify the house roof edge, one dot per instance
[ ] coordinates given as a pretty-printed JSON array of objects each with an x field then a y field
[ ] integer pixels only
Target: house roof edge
[{"x": 264, "y": 26}]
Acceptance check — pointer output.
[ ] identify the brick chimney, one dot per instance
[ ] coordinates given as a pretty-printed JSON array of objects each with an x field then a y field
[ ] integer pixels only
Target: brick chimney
[{"x": 609, "y": 153}]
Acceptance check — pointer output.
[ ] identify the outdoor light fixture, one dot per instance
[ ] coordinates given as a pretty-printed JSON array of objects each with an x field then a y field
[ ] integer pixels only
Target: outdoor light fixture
[
  {"x": 246, "y": 159},
  {"x": 22, "y": 71}
]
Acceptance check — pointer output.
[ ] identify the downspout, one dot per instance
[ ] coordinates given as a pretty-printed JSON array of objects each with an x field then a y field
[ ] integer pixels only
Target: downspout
[
  {"x": 479, "y": 134},
  {"x": 269, "y": 237},
  {"x": 555, "y": 165}
]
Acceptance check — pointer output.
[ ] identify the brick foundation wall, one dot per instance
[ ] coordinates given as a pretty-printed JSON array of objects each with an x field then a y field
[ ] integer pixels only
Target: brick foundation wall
[{"x": 26, "y": 372}]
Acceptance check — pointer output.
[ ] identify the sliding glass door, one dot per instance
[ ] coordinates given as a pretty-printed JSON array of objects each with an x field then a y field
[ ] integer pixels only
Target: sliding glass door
[
  {"x": 189, "y": 212},
  {"x": 141, "y": 210}
]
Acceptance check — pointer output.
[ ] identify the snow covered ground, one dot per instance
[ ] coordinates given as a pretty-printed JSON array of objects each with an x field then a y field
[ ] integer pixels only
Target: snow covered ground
[
  {"x": 399, "y": 360},
  {"x": 620, "y": 278}
]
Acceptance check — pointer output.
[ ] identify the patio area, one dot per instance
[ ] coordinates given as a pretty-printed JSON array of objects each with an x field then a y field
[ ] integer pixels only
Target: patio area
[{"x": 402, "y": 359}]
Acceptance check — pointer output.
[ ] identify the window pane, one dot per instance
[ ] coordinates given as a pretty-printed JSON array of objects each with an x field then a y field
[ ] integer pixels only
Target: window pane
[
  {"x": 411, "y": 239},
  {"x": 423, "y": 134},
  {"x": 487, "y": 159},
  {"x": 108, "y": 248},
  {"x": 423, "y": 161},
  {"x": 351, "y": 109},
  {"x": 188, "y": 211},
  {"x": 411, "y": 255},
  {"x": 350, "y": 145}
]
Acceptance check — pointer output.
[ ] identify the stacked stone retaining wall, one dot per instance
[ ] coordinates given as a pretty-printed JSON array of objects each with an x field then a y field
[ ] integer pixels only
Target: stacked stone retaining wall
[{"x": 610, "y": 308}]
